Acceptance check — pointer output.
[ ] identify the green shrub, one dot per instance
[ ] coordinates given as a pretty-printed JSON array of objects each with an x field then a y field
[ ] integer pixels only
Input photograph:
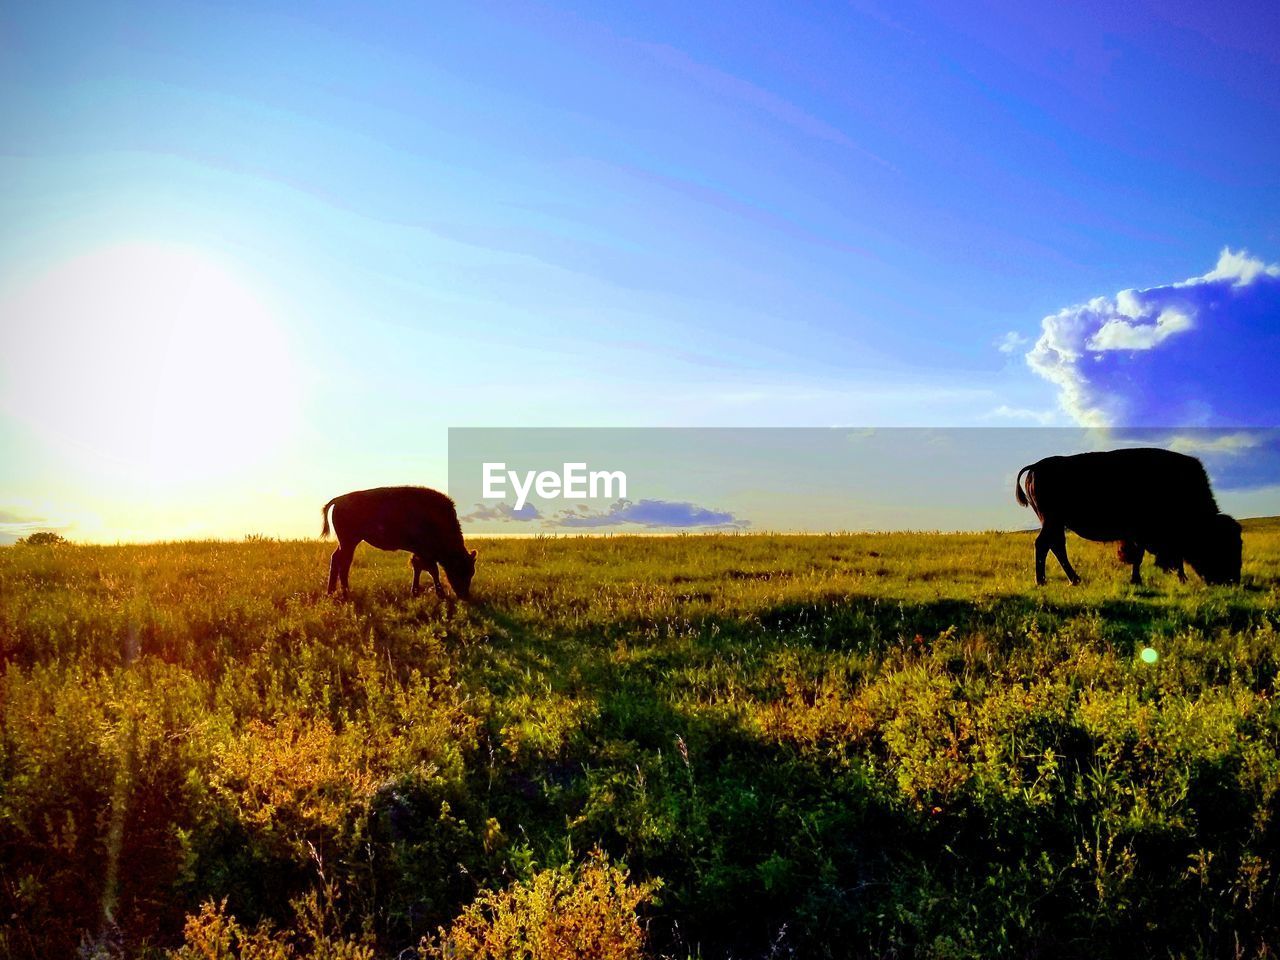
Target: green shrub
[{"x": 41, "y": 538}]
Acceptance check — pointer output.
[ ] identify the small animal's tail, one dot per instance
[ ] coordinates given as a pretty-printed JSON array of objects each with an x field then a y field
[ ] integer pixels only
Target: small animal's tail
[
  {"x": 1023, "y": 499},
  {"x": 324, "y": 512}
]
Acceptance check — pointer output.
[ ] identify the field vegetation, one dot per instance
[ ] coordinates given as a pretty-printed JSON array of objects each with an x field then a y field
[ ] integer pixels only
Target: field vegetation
[{"x": 711, "y": 746}]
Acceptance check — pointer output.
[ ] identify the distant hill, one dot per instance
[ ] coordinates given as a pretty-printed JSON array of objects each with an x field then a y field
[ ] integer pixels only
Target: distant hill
[{"x": 1259, "y": 524}]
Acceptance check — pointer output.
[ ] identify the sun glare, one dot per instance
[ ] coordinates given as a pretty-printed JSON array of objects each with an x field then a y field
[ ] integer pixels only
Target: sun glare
[{"x": 156, "y": 359}]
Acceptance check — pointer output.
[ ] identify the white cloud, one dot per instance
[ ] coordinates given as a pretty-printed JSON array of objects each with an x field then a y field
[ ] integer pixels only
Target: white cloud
[
  {"x": 654, "y": 514},
  {"x": 1005, "y": 412},
  {"x": 1011, "y": 342},
  {"x": 20, "y": 519},
  {"x": 1121, "y": 333},
  {"x": 502, "y": 512},
  {"x": 1196, "y": 352},
  {"x": 1240, "y": 267},
  {"x": 1209, "y": 442}
]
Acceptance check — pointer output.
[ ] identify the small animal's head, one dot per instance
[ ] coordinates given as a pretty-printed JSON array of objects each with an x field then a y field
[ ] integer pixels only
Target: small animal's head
[
  {"x": 460, "y": 569},
  {"x": 1216, "y": 550}
]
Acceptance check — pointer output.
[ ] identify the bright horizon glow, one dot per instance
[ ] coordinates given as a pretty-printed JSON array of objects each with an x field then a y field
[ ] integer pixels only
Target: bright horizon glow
[
  {"x": 153, "y": 359},
  {"x": 152, "y": 369}
]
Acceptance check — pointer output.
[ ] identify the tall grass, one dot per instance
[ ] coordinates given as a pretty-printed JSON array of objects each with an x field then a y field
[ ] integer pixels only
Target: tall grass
[{"x": 862, "y": 745}]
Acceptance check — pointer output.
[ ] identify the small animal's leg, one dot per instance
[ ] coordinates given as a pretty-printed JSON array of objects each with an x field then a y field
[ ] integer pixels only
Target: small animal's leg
[
  {"x": 1182, "y": 574},
  {"x": 416, "y": 562}
]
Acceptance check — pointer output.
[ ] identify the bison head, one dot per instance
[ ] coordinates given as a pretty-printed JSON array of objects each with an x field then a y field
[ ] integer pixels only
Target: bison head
[
  {"x": 1215, "y": 550},
  {"x": 460, "y": 570}
]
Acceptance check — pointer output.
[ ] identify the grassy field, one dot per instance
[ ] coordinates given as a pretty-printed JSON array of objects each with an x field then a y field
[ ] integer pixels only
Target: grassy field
[{"x": 739, "y": 746}]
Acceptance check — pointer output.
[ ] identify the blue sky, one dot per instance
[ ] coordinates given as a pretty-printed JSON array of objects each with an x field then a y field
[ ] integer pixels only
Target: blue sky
[{"x": 583, "y": 215}]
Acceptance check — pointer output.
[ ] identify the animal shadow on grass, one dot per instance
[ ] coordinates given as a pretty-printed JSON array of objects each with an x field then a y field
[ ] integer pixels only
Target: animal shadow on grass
[
  {"x": 751, "y": 836},
  {"x": 871, "y": 624},
  {"x": 659, "y": 763},
  {"x": 381, "y": 598}
]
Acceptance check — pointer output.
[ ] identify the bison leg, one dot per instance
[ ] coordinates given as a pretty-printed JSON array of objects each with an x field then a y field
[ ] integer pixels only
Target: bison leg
[
  {"x": 1130, "y": 553},
  {"x": 340, "y": 566},
  {"x": 1172, "y": 565},
  {"x": 1059, "y": 548},
  {"x": 435, "y": 578},
  {"x": 1136, "y": 559},
  {"x": 430, "y": 566},
  {"x": 1042, "y": 550},
  {"x": 335, "y": 567},
  {"x": 1053, "y": 537}
]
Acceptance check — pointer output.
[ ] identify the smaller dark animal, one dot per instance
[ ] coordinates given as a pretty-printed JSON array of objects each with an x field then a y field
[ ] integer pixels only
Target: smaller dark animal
[
  {"x": 417, "y": 519},
  {"x": 1147, "y": 499}
]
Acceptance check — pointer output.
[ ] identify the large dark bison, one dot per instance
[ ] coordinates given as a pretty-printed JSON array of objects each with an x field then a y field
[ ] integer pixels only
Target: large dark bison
[
  {"x": 1148, "y": 499},
  {"x": 422, "y": 521}
]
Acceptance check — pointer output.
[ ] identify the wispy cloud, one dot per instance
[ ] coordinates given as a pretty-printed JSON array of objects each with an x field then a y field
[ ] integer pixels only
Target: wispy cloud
[
  {"x": 1011, "y": 342},
  {"x": 16, "y": 523},
  {"x": 749, "y": 95},
  {"x": 653, "y": 514},
  {"x": 1043, "y": 418},
  {"x": 1212, "y": 442}
]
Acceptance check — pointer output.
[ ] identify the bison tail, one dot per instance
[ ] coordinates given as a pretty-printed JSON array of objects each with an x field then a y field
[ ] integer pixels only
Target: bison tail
[
  {"x": 324, "y": 512},
  {"x": 1018, "y": 493}
]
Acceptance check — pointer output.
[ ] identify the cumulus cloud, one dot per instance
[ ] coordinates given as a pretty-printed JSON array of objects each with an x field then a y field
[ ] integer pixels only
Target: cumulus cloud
[
  {"x": 653, "y": 514},
  {"x": 1126, "y": 333},
  {"x": 1188, "y": 365},
  {"x": 1239, "y": 268},
  {"x": 1193, "y": 353},
  {"x": 502, "y": 512}
]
